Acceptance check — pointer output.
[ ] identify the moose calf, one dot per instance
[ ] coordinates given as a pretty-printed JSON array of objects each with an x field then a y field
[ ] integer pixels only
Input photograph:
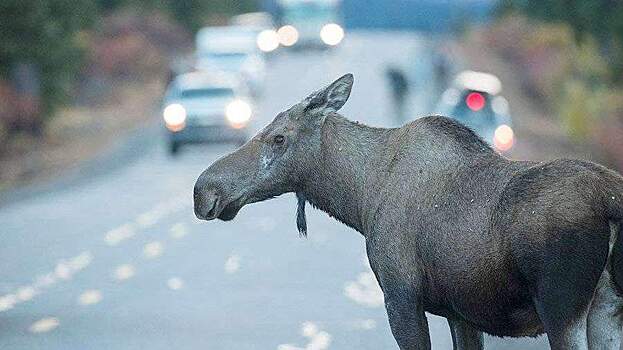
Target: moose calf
[{"x": 508, "y": 248}]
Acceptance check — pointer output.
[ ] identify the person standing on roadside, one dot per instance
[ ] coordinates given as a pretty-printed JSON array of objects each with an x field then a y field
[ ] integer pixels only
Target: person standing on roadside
[{"x": 399, "y": 86}]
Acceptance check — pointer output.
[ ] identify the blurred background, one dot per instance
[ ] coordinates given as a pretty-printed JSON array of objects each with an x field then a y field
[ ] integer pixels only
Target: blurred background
[{"x": 110, "y": 109}]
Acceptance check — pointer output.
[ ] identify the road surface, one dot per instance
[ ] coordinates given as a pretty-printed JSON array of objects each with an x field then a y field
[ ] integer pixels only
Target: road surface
[{"x": 118, "y": 260}]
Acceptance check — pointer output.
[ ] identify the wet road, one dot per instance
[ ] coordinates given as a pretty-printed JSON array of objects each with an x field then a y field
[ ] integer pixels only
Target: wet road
[{"x": 120, "y": 262}]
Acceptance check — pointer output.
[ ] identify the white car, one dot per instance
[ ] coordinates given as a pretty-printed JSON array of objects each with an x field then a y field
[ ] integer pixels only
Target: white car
[
  {"x": 204, "y": 107},
  {"x": 258, "y": 20},
  {"x": 310, "y": 23},
  {"x": 262, "y": 24},
  {"x": 474, "y": 99},
  {"x": 231, "y": 49}
]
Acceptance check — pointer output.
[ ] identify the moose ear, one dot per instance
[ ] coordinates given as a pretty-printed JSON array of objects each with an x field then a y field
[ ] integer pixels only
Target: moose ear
[{"x": 333, "y": 97}]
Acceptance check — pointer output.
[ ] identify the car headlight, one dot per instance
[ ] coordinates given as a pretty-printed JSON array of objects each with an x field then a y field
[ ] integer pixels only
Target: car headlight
[
  {"x": 238, "y": 113},
  {"x": 288, "y": 35},
  {"x": 174, "y": 117},
  {"x": 268, "y": 40},
  {"x": 331, "y": 34},
  {"x": 503, "y": 137}
]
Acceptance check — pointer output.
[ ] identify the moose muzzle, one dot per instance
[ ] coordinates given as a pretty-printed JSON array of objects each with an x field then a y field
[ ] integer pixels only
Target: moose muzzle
[
  {"x": 206, "y": 204},
  {"x": 223, "y": 188}
]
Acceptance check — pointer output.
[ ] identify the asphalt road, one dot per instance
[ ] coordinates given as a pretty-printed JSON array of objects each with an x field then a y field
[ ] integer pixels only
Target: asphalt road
[{"x": 118, "y": 260}]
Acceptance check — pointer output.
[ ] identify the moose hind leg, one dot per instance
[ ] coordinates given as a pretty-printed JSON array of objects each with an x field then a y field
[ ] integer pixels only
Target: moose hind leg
[
  {"x": 572, "y": 266},
  {"x": 604, "y": 318},
  {"x": 569, "y": 335},
  {"x": 465, "y": 337}
]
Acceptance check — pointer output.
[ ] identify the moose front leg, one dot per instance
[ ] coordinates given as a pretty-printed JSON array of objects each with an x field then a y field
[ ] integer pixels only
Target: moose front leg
[
  {"x": 465, "y": 337},
  {"x": 403, "y": 290},
  {"x": 407, "y": 321}
]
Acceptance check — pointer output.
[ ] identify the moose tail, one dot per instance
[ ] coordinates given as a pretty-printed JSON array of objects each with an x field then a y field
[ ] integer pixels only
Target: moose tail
[
  {"x": 614, "y": 200},
  {"x": 616, "y": 255}
]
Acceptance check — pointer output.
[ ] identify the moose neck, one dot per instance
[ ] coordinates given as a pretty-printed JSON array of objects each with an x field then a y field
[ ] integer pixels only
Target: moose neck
[{"x": 348, "y": 158}]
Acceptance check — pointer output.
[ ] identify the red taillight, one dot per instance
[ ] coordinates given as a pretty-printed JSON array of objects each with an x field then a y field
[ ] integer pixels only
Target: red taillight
[{"x": 475, "y": 101}]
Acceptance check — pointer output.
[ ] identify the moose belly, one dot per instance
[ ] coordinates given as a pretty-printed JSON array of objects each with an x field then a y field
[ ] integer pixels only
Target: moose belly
[
  {"x": 514, "y": 321},
  {"x": 496, "y": 302}
]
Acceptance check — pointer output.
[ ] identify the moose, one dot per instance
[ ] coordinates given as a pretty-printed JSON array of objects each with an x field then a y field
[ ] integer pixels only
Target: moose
[{"x": 453, "y": 228}]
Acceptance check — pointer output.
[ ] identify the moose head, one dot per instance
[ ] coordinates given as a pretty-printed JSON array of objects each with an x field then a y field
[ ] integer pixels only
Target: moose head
[{"x": 275, "y": 161}]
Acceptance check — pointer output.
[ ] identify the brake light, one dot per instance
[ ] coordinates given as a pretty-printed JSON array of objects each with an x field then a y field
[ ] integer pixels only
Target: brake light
[{"x": 475, "y": 101}]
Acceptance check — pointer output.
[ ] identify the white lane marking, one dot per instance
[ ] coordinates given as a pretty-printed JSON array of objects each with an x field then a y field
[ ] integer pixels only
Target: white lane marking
[
  {"x": 365, "y": 290},
  {"x": 232, "y": 264},
  {"x": 175, "y": 283},
  {"x": 7, "y": 302},
  {"x": 124, "y": 272},
  {"x": 289, "y": 347},
  {"x": 45, "y": 281},
  {"x": 26, "y": 293},
  {"x": 80, "y": 261},
  {"x": 44, "y": 325},
  {"x": 90, "y": 297},
  {"x": 153, "y": 249},
  {"x": 309, "y": 329},
  {"x": 119, "y": 234},
  {"x": 318, "y": 339},
  {"x": 64, "y": 270},
  {"x": 145, "y": 220},
  {"x": 178, "y": 230},
  {"x": 149, "y": 218}
]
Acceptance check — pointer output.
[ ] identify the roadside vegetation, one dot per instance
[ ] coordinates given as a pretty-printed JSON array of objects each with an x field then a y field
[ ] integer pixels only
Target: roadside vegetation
[
  {"x": 71, "y": 70},
  {"x": 570, "y": 55}
]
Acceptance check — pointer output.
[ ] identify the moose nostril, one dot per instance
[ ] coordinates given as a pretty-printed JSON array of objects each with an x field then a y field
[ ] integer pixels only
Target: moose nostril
[
  {"x": 211, "y": 205},
  {"x": 206, "y": 205}
]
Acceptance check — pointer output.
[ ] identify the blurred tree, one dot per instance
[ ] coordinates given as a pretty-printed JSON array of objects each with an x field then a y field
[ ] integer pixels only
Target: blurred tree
[
  {"x": 110, "y": 5},
  {"x": 196, "y": 13},
  {"x": 192, "y": 14},
  {"x": 44, "y": 34},
  {"x": 50, "y": 36},
  {"x": 600, "y": 19}
]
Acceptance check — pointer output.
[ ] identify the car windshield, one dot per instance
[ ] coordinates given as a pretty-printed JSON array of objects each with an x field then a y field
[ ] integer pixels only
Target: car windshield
[
  {"x": 228, "y": 61},
  {"x": 207, "y": 93},
  {"x": 308, "y": 12}
]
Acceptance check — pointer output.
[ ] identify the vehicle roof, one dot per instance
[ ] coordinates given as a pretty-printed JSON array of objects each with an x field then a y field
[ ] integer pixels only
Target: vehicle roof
[
  {"x": 478, "y": 81},
  {"x": 229, "y": 31},
  {"x": 201, "y": 79},
  {"x": 253, "y": 20},
  {"x": 226, "y": 39}
]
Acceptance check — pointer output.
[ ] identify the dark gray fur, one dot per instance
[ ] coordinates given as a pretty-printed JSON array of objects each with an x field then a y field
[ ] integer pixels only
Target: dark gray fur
[
  {"x": 301, "y": 221},
  {"x": 510, "y": 248}
]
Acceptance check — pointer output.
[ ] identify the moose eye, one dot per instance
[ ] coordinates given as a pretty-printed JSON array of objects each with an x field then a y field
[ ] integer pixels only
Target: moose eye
[{"x": 279, "y": 139}]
